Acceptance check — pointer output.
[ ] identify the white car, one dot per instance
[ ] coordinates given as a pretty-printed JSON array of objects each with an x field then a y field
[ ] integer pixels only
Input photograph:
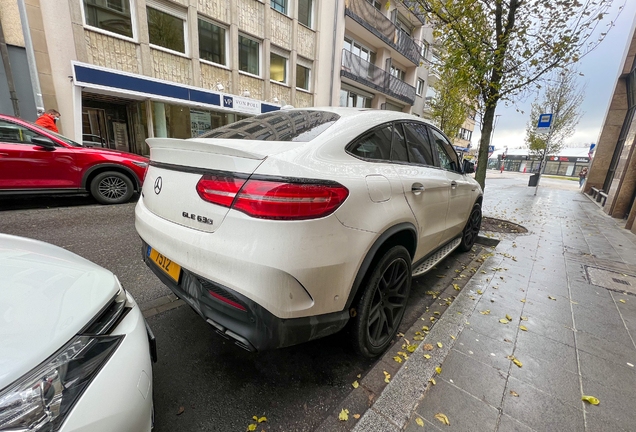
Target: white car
[
  {"x": 75, "y": 351},
  {"x": 284, "y": 227}
]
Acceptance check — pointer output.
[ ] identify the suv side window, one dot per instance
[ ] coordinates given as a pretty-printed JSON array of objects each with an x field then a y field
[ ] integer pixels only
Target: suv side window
[
  {"x": 15, "y": 134},
  {"x": 398, "y": 151},
  {"x": 419, "y": 146},
  {"x": 374, "y": 145},
  {"x": 447, "y": 156}
]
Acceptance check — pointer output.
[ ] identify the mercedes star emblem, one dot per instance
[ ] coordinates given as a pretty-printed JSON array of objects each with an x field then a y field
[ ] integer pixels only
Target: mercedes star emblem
[{"x": 158, "y": 184}]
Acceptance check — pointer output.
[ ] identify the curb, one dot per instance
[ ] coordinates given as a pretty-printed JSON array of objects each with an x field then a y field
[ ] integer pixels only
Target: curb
[
  {"x": 393, "y": 409},
  {"x": 162, "y": 304},
  {"x": 373, "y": 391}
]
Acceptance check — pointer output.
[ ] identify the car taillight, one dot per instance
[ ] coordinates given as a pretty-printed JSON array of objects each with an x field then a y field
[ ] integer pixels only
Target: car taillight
[
  {"x": 267, "y": 199},
  {"x": 219, "y": 190}
]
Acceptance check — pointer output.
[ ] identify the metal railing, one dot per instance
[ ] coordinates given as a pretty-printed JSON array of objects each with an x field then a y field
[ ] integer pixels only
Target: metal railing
[
  {"x": 377, "y": 23},
  {"x": 360, "y": 70}
]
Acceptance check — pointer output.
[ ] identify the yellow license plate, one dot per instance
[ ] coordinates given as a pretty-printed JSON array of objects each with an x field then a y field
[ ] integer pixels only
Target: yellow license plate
[{"x": 172, "y": 269}]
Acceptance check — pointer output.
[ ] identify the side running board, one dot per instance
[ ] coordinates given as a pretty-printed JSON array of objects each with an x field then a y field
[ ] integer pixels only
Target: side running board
[{"x": 439, "y": 255}]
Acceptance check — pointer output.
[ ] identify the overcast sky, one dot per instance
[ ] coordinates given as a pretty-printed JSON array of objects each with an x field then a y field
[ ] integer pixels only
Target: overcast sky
[{"x": 600, "y": 69}]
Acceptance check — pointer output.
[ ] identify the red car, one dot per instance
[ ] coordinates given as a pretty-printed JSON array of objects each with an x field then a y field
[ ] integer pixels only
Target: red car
[{"x": 34, "y": 160}]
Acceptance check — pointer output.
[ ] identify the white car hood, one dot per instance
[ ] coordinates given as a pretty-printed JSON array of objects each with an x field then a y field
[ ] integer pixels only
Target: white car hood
[{"x": 47, "y": 295}]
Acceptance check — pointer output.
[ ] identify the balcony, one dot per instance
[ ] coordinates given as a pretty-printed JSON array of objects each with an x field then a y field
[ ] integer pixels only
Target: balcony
[
  {"x": 368, "y": 74},
  {"x": 377, "y": 23}
]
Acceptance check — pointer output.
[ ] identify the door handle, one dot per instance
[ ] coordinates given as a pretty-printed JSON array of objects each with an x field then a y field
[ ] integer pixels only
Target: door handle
[
  {"x": 453, "y": 184},
  {"x": 417, "y": 188}
]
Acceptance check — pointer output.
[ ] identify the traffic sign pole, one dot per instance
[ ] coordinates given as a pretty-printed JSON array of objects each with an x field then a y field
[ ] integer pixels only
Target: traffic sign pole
[{"x": 544, "y": 125}]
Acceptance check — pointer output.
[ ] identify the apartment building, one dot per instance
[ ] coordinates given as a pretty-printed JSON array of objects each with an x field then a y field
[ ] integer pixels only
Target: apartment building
[{"x": 121, "y": 71}]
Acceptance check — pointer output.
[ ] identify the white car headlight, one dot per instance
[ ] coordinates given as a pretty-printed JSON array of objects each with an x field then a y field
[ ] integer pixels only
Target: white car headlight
[{"x": 41, "y": 400}]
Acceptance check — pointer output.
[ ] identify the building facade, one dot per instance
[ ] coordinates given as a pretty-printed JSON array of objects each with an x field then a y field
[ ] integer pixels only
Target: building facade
[
  {"x": 613, "y": 169},
  {"x": 121, "y": 71},
  {"x": 566, "y": 163}
]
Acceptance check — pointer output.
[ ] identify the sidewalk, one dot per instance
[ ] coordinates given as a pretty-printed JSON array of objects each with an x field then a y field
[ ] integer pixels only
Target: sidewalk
[{"x": 571, "y": 282}]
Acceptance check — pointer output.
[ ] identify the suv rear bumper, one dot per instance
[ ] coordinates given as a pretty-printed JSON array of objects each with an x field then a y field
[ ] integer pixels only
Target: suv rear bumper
[{"x": 255, "y": 328}]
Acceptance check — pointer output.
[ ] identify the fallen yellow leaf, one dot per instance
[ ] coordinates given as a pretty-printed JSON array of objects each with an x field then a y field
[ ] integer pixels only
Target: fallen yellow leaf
[
  {"x": 359, "y": 375},
  {"x": 486, "y": 312},
  {"x": 441, "y": 276},
  {"x": 551, "y": 298},
  {"x": 622, "y": 301},
  {"x": 355, "y": 383},
  {"x": 419, "y": 422},
  {"x": 503, "y": 321},
  {"x": 453, "y": 337},
  {"x": 425, "y": 328},
  {"x": 441, "y": 417},
  {"x": 426, "y": 356},
  {"x": 411, "y": 348},
  {"x": 439, "y": 344},
  {"x": 524, "y": 318},
  {"x": 517, "y": 362},
  {"x": 514, "y": 393},
  {"x": 523, "y": 328},
  {"x": 398, "y": 359},
  {"x": 428, "y": 347},
  {"x": 508, "y": 317},
  {"x": 456, "y": 287},
  {"x": 262, "y": 419},
  {"x": 344, "y": 415},
  {"x": 387, "y": 376},
  {"x": 432, "y": 381},
  {"x": 438, "y": 370},
  {"x": 251, "y": 427},
  {"x": 591, "y": 399},
  {"x": 523, "y": 300},
  {"x": 479, "y": 292},
  {"x": 356, "y": 416},
  {"x": 435, "y": 313}
]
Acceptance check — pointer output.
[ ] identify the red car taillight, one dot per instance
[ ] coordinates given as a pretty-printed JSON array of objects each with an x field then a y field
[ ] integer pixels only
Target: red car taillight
[
  {"x": 267, "y": 199},
  {"x": 219, "y": 190}
]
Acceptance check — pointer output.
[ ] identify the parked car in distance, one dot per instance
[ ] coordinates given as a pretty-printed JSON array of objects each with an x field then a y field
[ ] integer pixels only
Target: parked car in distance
[
  {"x": 34, "y": 160},
  {"x": 76, "y": 351},
  {"x": 284, "y": 227}
]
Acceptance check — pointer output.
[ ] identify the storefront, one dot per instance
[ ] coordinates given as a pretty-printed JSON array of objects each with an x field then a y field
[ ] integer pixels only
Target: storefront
[
  {"x": 120, "y": 110},
  {"x": 567, "y": 164}
]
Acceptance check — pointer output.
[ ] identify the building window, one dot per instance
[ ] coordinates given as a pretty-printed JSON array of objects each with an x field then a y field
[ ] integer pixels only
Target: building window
[
  {"x": 376, "y": 4},
  {"x": 302, "y": 77},
  {"x": 420, "y": 87},
  {"x": 212, "y": 42},
  {"x": 166, "y": 29},
  {"x": 304, "y": 12},
  {"x": 249, "y": 55},
  {"x": 280, "y": 6},
  {"x": 353, "y": 99},
  {"x": 398, "y": 73},
  {"x": 110, "y": 15},
  {"x": 424, "y": 49},
  {"x": 277, "y": 68}
]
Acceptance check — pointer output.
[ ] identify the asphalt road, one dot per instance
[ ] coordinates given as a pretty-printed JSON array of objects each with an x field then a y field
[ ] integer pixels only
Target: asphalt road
[{"x": 220, "y": 386}]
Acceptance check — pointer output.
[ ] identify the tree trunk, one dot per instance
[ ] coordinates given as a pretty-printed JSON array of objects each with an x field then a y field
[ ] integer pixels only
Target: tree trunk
[{"x": 484, "y": 143}]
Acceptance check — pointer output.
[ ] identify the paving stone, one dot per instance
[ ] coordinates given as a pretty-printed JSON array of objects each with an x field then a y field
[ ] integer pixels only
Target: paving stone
[
  {"x": 412, "y": 426},
  {"x": 597, "y": 422},
  {"x": 615, "y": 331},
  {"x": 612, "y": 374},
  {"x": 464, "y": 412},
  {"x": 605, "y": 349},
  {"x": 479, "y": 379},
  {"x": 546, "y": 350},
  {"x": 490, "y": 325},
  {"x": 548, "y": 328},
  {"x": 616, "y": 402},
  {"x": 535, "y": 310},
  {"x": 550, "y": 378},
  {"x": 539, "y": 410},
  {"x": 482, "y": 348},
  {"x": 508, "y": 424}
]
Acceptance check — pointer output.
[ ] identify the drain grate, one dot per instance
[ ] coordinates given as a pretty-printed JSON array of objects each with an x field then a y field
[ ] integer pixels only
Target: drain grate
[
  {"x": 621, "y": 281},
  {"x": 611, "y": 280}
]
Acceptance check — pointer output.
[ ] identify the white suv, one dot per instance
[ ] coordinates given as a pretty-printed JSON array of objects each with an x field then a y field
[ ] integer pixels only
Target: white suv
[{"x": 281, "y": 228}]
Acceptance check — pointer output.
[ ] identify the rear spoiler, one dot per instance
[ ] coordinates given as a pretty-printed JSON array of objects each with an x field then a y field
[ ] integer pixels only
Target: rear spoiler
[{"x": 250, "y": 149}]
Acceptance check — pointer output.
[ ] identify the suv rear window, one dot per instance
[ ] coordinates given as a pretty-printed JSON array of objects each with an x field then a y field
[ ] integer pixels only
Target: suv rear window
[{"x": 297, "y": 126}]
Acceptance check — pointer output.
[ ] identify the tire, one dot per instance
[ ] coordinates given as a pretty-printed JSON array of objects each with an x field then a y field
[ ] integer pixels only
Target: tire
[
  {"x": 471, "y": 230},
  {"x": 112, "y": 187},
  {"x": 375, "y": 323}
]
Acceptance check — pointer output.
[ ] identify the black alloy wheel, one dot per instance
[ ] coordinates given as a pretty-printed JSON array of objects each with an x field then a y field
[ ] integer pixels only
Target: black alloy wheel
[
  {"x": 471, "y": 231},
  {"x": 389, "y": 301},
  {"x": 377, "y": 314}
]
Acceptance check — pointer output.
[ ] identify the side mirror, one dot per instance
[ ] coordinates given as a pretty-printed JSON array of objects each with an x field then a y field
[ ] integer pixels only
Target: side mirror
[
  {"x": 45, "y": 143},
  {"x": 469, "y": 167}
]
